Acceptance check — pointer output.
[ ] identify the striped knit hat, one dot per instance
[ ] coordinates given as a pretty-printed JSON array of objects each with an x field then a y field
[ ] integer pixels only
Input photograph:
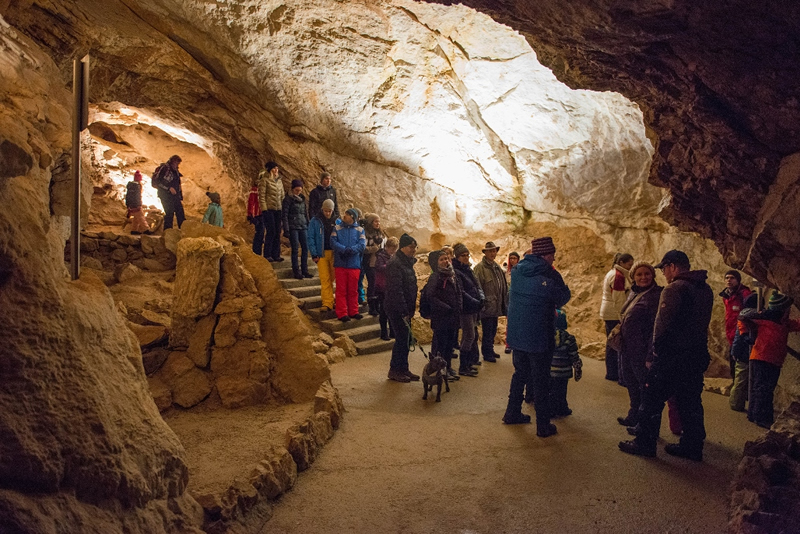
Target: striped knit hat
[
  {"x": 542, "y": 246},
  {"x": 778, "y": 301}
]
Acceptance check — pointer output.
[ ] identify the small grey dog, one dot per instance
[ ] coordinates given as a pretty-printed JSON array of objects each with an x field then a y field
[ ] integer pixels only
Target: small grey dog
[{"x": 434, "y": 374}]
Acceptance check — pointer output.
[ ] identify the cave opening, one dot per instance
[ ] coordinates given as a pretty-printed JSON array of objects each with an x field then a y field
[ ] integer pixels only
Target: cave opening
[{"x": 436, "y": 118}]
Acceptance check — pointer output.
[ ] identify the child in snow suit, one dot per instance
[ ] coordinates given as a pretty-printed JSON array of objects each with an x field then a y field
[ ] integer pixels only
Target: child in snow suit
[{"x": 565, "y": 359}]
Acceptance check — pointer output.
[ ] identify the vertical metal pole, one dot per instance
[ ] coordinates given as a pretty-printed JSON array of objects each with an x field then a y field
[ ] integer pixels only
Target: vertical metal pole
[
  {"x": 75, "y": 224},
  {"x": 80, "y": 118}
]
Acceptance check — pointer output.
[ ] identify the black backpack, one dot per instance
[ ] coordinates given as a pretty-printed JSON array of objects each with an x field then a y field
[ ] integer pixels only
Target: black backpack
[
  {"x": 157, "y": 175},
  {"x": 133, "y": 196}
]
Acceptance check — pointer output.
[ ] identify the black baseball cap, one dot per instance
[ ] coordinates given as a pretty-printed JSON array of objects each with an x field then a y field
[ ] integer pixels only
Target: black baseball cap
[{"x": 675, "y": 257}]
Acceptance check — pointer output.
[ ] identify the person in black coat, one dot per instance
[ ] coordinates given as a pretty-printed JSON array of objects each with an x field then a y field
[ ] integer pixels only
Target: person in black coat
[
  {"x": 638, "y": 316},
  {"x": 319, "y": 194},
  {"x": 400, "y": 304},
  {"x": 472, "y": 303},
  {"x": 295, "y": 227},
  {"x": 442, "y": 295}
]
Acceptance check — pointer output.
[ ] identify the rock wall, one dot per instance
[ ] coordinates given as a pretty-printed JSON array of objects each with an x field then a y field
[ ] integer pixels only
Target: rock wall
[{"x": 82, "y": 441}]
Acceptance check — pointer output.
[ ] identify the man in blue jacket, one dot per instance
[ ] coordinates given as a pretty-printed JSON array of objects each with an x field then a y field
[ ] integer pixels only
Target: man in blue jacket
[{"x": 536, "y": 291}]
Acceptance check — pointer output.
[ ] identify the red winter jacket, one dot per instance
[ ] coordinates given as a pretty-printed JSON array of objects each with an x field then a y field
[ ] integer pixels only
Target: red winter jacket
[
  {"x": 734, "y": 304},
  {"x": 253, "y": 208},
  {"x": 771, "y": 340}
]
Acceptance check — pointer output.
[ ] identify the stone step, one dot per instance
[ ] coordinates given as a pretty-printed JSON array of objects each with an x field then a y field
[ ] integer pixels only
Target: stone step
[
  {"x": 314, "y": 301},
  {"x": 373, "y": 346},
  {"x": 362, "y": 333},
  {"x": 335, "y": 325},
  {"x": 283, "y": 270},
  {"x": 318, "y": 315},
  {"x": 307, "y": 291},
  {"x": 291, "y": 283}
]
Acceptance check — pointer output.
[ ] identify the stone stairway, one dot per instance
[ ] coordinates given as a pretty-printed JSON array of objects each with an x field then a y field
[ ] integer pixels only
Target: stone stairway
[{"x": 366, "y": 333}]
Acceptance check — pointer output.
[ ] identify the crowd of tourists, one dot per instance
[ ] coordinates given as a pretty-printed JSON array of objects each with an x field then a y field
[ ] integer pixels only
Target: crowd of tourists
[{"x": 657, "y": 337}]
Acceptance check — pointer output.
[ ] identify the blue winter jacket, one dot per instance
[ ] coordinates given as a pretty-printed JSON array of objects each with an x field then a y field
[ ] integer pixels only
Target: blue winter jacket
[
  {"x": 348, "y": 243},
  {"x": 536, "y": 291},
  {"x": 316, "y": 236}
]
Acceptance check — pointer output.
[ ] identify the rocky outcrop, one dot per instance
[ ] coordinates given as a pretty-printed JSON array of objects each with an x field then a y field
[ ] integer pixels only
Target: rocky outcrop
[
  {"x": 766, "y": 488},
  {"x": 82, "y": 441}
]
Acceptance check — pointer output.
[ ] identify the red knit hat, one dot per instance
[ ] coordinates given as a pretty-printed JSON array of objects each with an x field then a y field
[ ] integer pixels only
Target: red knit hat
[
  {"x": 137, "y": 176},
  {"x": 542, "y": 246}
]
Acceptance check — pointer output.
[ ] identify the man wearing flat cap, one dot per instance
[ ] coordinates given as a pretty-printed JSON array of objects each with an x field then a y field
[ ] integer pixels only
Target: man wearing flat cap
[
  {"x": 680, "y": 357},
  {"x": 537, "y": 289},
  {"x": 492, "y": 280}
]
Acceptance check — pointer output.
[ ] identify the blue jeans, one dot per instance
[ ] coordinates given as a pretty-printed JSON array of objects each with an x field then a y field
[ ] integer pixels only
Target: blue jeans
[{"x": 299, "y": 238}]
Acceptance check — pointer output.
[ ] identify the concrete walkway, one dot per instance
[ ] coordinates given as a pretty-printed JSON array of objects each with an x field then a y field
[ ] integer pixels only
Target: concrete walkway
[{"x": 401, "y": 464}]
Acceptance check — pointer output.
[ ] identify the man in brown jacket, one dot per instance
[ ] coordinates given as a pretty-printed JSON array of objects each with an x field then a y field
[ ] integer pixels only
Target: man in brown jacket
[
  {"x": 492, "y": 281},
  {"x": 680, "y": 347},
  {"x": 270, "y": 199}
]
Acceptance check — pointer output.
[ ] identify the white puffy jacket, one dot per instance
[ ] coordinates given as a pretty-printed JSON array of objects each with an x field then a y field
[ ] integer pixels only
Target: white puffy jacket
[{"x": 615, "y": 290}]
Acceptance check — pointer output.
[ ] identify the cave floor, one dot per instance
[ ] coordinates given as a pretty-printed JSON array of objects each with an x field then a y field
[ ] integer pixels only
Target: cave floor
[{"x": 401, "y": 464}]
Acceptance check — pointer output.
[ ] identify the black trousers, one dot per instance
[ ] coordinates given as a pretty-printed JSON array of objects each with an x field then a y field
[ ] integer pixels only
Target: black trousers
[
  {"x": 258, "y": 236},
  {"x": 272, "y": 240},
  {"x": 489, "y": 328},
  {"x": 612, "y": 358},
  {"x": 442, "y": 343},
  {"x": 558, "y": 396},
  {"x": 764, "y": 377},
  {"x": 687, "y": 387},
  {"x": 400, "y": 348},
  {"x": 531, "y": 369},
  {"x": 173, "y": 208},
  {"x": 634, "y": 373}
]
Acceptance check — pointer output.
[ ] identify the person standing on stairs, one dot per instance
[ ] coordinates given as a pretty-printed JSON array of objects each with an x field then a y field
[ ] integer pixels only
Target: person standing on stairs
[
  {"x": 319, "y": 246},
  {"x": 295, "y": 227},
  {"x": 270, "y": 199},
  {"x": 382, "y": 258},
  {"x": 348, "y": 243},
  {"x": 401, "y": 304},
  {"x": 324, "y": 191},
  {"x": 375, "y": 241}
]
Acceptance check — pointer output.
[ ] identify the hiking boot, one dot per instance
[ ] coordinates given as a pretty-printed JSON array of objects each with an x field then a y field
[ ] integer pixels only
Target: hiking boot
[
  {"x": 325, "y": 309},
  {"x": 385, "y": 337},
  {"x": 508, "y": 350},
  {"x": 563, "y": 413},
  {"x": 676, "y": 449},
  {"x": 452, "y": 375},
  {"x": 468, "y": 372},
  {"x": 357, "y": 317},
  {"x": 398, "y": 376},
  {"x": 547, "y": 430},
  {"x": 489, "y": 358},
  {"x": 637, "y": 449},
  {"x": 412, "y": 376},
  {"x": 477, "y": 363},
  {"x": 626, "y": 421},
  {"x": 344, "y": 319},
  {"x": 298, "y": 275},
  {"x": 308, "y": 275},
  {"x": 278, "y": 260},
  {"x": 518, "y": 418}
]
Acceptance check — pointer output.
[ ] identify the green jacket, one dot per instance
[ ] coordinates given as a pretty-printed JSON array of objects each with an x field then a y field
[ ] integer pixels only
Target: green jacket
[{"x": 493, "y": 282}]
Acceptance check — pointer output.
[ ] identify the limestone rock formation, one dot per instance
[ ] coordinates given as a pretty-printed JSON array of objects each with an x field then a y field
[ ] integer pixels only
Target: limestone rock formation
[{"x": 83, "y": 442}]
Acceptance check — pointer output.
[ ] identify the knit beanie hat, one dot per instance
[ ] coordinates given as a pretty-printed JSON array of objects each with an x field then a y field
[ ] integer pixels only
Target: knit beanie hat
[
  {"x": 514, "y": 254},
  {"x": 638, "y": 265},
  {"x": 542, "y": 246},
  {"x": 214, "y": 197},
  {"x": 352, "y": 212},
  {"x": 736, "y": 274},
  {"x": 328, "y": 204},
  {"x": 369, "y": 218},
  {"x": 137, "y": 176},
  {"x": 459, "y": 249},
  {"x": 406, "y": 240},
  {"x": 778, "y": 301},
  {"x": 270, "y": 165},
  {"x": 297, "y": 183}
]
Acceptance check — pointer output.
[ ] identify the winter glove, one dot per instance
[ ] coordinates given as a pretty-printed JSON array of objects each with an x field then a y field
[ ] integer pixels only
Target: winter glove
[
  {"x": 250, "y": 219},
  {"x": 578, "y": 366},
  {"x": 378, "y": 240}
]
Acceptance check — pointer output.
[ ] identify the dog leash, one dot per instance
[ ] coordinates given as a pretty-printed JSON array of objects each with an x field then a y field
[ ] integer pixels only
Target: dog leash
[{"x": 412, "y": 341}]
